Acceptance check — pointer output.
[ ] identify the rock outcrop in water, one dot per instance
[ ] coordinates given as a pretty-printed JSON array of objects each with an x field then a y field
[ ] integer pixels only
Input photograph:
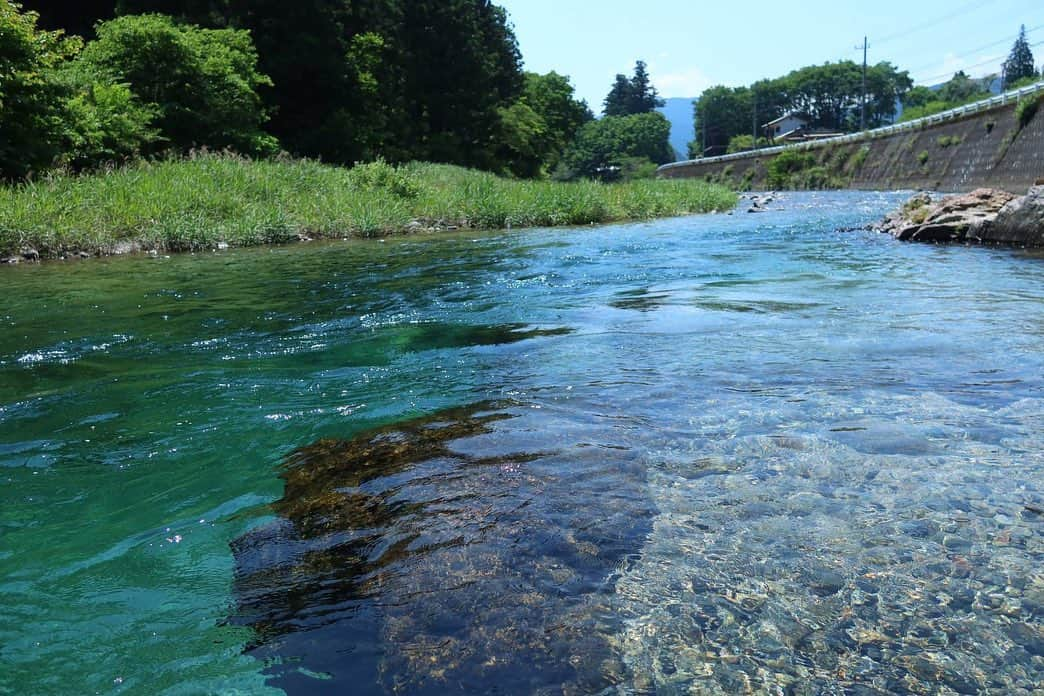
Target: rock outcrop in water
[
  {"x": 984, "y": 216},
  {"x": 446, "y": 554}
]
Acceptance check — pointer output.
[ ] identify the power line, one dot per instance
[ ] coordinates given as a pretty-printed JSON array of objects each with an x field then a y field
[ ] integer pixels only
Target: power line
[
  {"x": 963, "y": 9},
  {"x": 989, "y": 61},
  {"x": 1010, "y": 37}
]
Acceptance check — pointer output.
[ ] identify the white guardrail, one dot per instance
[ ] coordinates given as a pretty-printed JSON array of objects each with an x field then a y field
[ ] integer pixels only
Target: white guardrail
[{"x": 883, "y": 132}]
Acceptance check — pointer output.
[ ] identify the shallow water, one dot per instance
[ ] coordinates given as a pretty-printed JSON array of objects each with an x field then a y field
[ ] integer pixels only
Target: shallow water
[{"x": 718, "y": 454}]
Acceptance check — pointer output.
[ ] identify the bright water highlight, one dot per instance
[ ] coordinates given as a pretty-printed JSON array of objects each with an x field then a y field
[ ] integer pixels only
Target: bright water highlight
[{"x": 718, "y": 454}]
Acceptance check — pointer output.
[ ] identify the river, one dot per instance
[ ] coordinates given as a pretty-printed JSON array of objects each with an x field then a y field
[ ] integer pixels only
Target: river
[{"x": 716, "y": 454}]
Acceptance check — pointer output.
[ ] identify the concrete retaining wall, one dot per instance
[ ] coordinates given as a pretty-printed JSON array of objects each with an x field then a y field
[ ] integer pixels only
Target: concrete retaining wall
[{"x": 984, "y": 146}]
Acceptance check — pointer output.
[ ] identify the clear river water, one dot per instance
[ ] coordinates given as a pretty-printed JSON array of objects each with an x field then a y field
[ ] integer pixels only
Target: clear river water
[{"x": 717, "y": 454}]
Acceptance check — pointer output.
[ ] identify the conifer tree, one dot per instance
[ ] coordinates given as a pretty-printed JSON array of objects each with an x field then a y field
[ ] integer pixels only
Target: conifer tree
[
  {"x": 632, "y": 96},
  {"x": 1019, "y": 64},
  {"x": 618, "y": 101}
]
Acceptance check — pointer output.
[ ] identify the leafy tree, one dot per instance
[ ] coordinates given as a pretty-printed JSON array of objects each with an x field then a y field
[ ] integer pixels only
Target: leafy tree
[
  {"x": 539, "y": 126},
  {"x": 1019, "y": 64},
  {"x": 960, "y": 89},
  {"x": 632, "y": 96},
  {"x": 461, "y": 63},
  {"x": 106, "y": 122},
  {"x": 644, "y": 98},
  {"x": 202, "y": 83},
  {"x": 920, "y": 102},
  {"x": 406, "y": 79},
  {"x": 605, "y": 146},
  {"x": 32, "y": 100},
  {"x": 919, "y": 96},
  {"x": 721, "y": 113},
  {"x": 828, "y": 96},
  {"x": 885, "y": 86}
]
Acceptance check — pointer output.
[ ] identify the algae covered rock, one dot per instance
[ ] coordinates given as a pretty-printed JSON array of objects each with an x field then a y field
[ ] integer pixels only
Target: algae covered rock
[
  {"x": 452, "y": 553},
  {"x": 952, "y": 219},
  {"x": 984, "y": 216}
]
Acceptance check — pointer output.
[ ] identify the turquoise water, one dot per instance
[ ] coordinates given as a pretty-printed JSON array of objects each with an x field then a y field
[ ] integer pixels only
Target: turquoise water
[{"x": 712, "y": 455}]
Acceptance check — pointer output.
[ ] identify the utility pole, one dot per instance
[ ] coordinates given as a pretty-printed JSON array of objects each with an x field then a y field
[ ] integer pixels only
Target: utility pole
[
  {"x": 862, "y": 101},
  {"x": 754, "y": 118}
]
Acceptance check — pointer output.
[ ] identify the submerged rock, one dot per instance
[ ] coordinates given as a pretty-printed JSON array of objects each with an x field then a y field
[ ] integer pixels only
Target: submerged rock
[{"x": 445, "y": 554}]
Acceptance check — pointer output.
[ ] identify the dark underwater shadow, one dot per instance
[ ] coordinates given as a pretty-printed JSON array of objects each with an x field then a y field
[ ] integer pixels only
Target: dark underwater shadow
[{"x": 470, "y": 551}]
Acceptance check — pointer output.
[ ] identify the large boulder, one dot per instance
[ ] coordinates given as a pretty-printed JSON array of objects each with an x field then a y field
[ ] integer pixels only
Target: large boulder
[
  {"x": 959, "y": 218},
  {"x": 1020, "y": 222}
]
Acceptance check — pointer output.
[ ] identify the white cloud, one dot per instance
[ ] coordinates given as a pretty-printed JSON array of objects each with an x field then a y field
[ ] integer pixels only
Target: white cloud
[{"x": 686, "y": 83}]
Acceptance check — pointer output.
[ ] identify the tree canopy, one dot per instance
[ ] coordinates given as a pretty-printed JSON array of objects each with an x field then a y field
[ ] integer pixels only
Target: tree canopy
[
  {"x": 827, "y": 95},
  {"x": 606, "y": 146},
  {"x": 202, "y": 83},
  {"x": 537, "y": 128},
  {"x": 960, "y": 89},
  {"x": 1019, "y": 64},
  {"x": 352, "y": 80},
  {"x": 632, "y": 96},
  {"x": 341, "y": 80},
  {"x": 31, "y": 99}
]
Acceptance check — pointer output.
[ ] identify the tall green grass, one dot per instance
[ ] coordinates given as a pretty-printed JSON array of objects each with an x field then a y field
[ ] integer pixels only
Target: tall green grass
[{"x": 210, "y": 199}]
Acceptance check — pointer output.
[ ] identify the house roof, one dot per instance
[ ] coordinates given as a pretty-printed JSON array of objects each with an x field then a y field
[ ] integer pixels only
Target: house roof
[{"x": 784, "y": 117}]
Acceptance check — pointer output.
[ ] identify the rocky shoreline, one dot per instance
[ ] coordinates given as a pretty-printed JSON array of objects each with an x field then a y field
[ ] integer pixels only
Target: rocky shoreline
[{"x": 984, "y": 216}]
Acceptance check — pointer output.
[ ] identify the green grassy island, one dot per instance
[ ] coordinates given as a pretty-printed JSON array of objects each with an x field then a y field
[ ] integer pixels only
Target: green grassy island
[{"x": 210, "y": 200}]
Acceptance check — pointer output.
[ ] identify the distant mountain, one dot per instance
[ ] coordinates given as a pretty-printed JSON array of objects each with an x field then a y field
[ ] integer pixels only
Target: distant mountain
[{"x": 678, "y": 111}]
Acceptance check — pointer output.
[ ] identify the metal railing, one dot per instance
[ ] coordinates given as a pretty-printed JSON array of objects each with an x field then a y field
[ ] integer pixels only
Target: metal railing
[{"x": 877, "y": 133}]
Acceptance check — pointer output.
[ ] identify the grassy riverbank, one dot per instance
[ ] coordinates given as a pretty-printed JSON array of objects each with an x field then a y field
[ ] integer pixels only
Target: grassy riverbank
[{"x": 210, "y": 200}]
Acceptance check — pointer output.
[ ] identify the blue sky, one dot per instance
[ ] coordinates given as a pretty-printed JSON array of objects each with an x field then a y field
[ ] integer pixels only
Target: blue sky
[{"x": 693, "y": 44}]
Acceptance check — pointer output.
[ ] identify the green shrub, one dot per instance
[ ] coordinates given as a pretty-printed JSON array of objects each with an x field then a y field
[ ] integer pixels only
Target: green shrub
[
  {"x": 744, "y": 143},
  {"x": 858, "y": 158},
  {"x": 948, "y": 140},
  {"x": 922, "y": 157},
  {"x": 1026, "y": 110},
  {"x": 381, "y": 176},
  {"x": 786, "y": 164},
  {"x": 747, "y": 182},
  {"x": 202, "y": 83},
  {"x": 32, "y": 99},
  {"x": 815, "y": 178},
  {"x": 601, "y": 146},
  {"x": 633, "y": 168},
  {"x": 106, "y": 123}
]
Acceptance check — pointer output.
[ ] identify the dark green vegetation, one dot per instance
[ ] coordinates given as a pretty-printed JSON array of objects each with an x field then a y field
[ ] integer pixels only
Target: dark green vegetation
[
  {"x": 961, "y": 89},
  {"x": 1019, "y": 66},
  {"x": 136, "y": 106},
  {"x": 632, "y": 96},
  {"x": 1026, "y": 110},
  {"x": 828, "y": 95},
  {"x": 354, "y": 80},
  {"x": 207, "y": 200},
  {"x": 342, "y": 81},
  {"x": 830, "y": 98},
  {"x": 628, "y": 142},
  {"x": 619, "y": 146}
]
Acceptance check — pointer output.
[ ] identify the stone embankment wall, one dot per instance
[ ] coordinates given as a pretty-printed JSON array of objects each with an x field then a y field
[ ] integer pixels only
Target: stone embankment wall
[{"x": 988, "y": 148}]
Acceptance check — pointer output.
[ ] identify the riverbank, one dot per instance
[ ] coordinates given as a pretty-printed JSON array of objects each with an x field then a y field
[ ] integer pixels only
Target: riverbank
[{"x": 216, "y": 200}]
